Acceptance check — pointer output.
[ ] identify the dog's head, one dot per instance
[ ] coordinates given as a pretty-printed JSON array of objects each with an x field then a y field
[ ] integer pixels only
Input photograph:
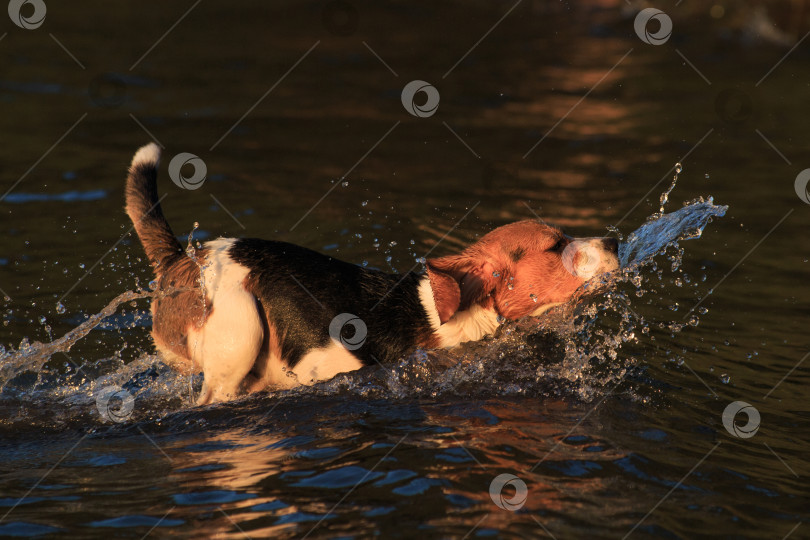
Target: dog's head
[{"x": 517, "y": 269}]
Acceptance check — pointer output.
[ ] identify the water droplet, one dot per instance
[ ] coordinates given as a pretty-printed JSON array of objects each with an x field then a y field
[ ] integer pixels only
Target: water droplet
[
  {"x": 364, "y": 263},
  {"x": 153, "y": 285},
  {"x": 364, "y": 203},
  {"x": 60, "y": 308},
  {"x": 392, "y": 243},
  {"x": 678, "y": 168},
  {"x": 707, "y": 176},
  {"x": 725, "y": 378},
  {"x": 344, "y": 184},
  {"x": 501, "y": 319},
  {"x": 496, "y": 274},
  {"x": 42, "y": 319},
  {"x": 533, "y": 297},
  {"x": 510, "y": 287},
  {"x": 81, "y": 265},
  {"x": 196, "y": 225}
]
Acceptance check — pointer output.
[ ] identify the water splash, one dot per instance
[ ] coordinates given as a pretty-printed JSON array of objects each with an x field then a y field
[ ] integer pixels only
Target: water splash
[{"x": 583, "y": 347}]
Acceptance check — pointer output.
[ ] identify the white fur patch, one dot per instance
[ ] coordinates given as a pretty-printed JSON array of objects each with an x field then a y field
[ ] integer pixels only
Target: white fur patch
[
  {"x": 468, "y": 325},
  {"x": 542, "y": 309},
  {"x": 324, "y": 363},
  {"x": 230, "y": 340},
  {"x": 429, "y": 303},
  {"x": 147, "y": 155}
]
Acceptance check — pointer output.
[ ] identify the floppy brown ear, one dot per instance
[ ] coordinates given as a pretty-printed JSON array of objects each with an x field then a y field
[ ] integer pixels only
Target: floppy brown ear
[
  {"x": 473, "y": 278},
  {"x": 446, "y": 293}
]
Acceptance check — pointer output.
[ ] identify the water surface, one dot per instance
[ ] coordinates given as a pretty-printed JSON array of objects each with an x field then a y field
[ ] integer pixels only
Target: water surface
[{"x": 610, "y": 411}]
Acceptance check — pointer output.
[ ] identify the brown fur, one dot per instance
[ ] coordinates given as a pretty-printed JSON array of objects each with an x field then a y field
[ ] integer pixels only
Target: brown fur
[
  {"x": 486, "y": 270},
  {"x": 180, "y": 308}
]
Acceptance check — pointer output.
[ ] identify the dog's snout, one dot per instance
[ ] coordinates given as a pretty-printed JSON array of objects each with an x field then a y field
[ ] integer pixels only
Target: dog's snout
[{"x": 611, "y": 245}]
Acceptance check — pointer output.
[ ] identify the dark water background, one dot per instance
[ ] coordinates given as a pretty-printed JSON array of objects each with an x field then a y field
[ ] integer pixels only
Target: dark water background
[{"x": 614, "y": 424}]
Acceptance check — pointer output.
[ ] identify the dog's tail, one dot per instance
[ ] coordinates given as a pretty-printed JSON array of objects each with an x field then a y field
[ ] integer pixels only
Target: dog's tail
[{"x": 143, "y": 208}]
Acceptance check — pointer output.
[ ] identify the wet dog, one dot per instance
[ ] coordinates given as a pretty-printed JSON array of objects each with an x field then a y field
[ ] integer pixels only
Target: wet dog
[{"x": 254, "y": 314}]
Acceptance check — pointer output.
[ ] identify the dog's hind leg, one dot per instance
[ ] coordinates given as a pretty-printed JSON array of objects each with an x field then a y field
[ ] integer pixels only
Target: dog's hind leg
[{"x": 230, "y": 340}]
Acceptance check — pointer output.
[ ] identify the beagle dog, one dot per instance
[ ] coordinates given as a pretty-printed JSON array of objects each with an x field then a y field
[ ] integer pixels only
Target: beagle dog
[{"x": 253, "y": 314}]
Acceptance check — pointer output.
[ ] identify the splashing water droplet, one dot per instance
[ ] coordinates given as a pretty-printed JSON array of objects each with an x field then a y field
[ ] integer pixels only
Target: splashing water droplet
[
  {"x": 496, "y": 274},
  {"x": 42, "y": 319},
  {"x": 533, "y": 297},
  {"x": 725, "y": 378},
  {"x": 60, "y": 308},
  {"x": 344, "y": 184},
  {"x": 153, "y": 285}
]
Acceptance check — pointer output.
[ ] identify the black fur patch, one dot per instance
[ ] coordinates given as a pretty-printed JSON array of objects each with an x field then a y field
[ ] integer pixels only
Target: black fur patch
[
  {"x": 517, "y": 254},
  {"x": 302, "y": 317}
]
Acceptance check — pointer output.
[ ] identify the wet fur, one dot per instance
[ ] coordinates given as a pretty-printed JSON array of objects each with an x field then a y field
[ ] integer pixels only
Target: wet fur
[{"x": 253, "y": 314}]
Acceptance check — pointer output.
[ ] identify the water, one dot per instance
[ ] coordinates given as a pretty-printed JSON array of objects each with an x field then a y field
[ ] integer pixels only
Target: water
[{"x": 610, "y": 409}]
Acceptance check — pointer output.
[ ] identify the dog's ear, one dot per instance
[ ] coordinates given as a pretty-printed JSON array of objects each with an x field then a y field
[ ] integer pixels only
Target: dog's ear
[
  {"x": 461, "y": 281},
  {"x": 446, "y": 293}
]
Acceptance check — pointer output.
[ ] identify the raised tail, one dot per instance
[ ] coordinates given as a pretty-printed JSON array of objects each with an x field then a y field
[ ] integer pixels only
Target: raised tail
[{"x": 143, "y": 208}]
